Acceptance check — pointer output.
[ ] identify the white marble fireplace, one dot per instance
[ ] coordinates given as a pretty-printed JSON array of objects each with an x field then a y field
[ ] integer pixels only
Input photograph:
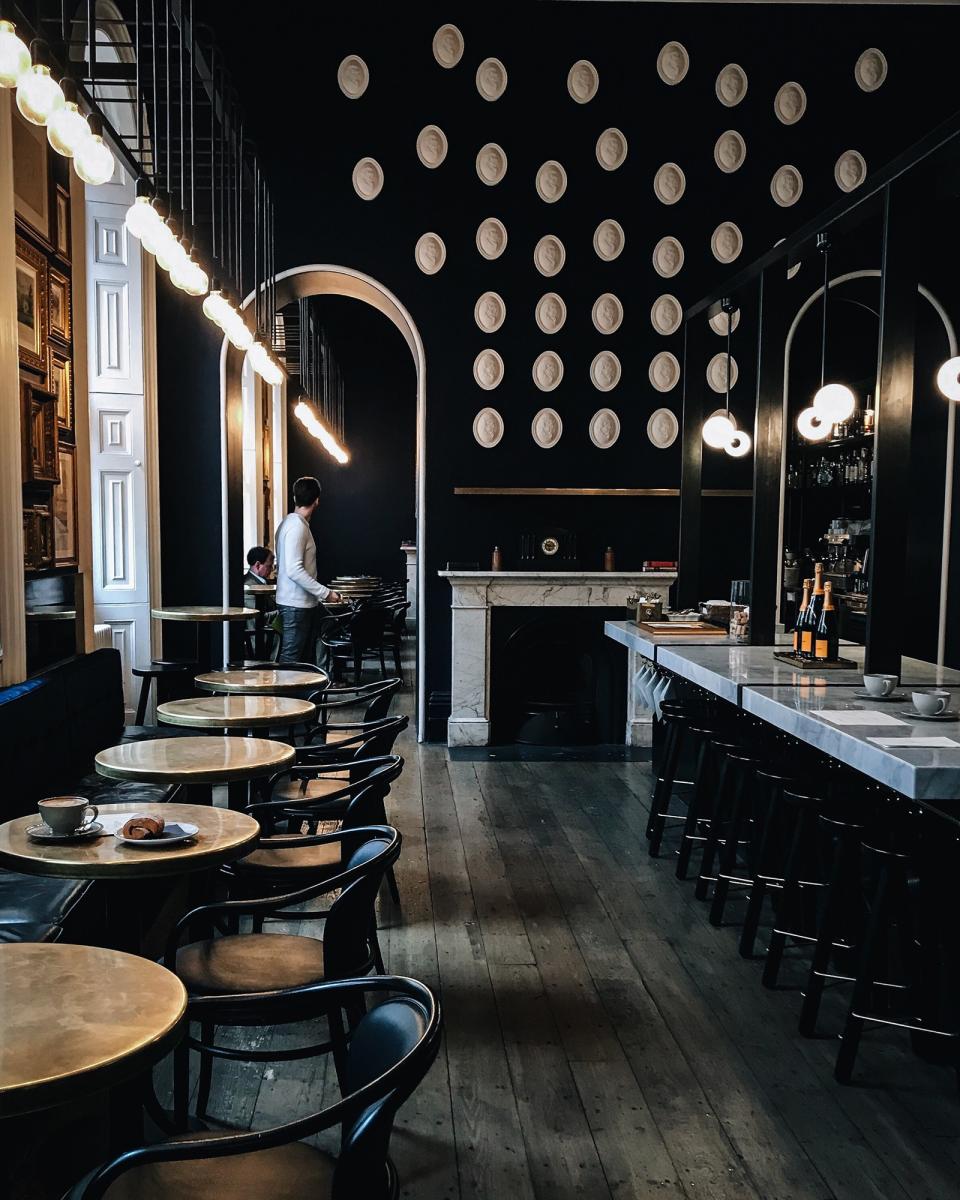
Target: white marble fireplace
[{"x": 474, "y": 593}]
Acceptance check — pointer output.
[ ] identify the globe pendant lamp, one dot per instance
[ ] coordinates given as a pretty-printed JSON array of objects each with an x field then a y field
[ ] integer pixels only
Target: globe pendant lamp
[
  {"x": 14, "y": 56},
  {"x": 216, "y": 307},
  {"x": 39, "y": 95},
  {"x": 141, "y": 217},
  {"x": 66, "y": 129},
  {"x": 718, "y": 429},
  {"x": 93, "y": 160},
  {"x": 813, "y": 425},
  {"x": 833, "y": 402},
  {"x": 948, "y": 379}
]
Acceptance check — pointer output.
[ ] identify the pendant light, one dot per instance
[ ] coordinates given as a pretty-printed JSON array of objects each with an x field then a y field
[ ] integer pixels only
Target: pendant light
[
  {"x": 67, "y": 127},
  {"x": 38, "y": 93},
  {"x": 14, "y": 56},
  {"x": 833, "y": 402},
  {"x": 720, "y": 428},
  {"x": 93, "y": 160},
  {"x": 948, "y": 379}
]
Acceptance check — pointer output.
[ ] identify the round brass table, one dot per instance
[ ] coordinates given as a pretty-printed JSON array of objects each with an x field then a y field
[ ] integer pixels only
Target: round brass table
[
  {"x": 80, "y": 1019},
  {"x": 262, "y": 682},
  {"x": 190, "y": 760},
  {"x": 236, "y": 712},
  {"x": 203, "y": 613}
]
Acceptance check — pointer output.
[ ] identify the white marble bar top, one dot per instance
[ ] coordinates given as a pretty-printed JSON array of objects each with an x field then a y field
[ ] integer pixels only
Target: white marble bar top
[
  {"x": 629, "y": 634},
  {"x": 725, "y": 670},
  {"x": 565, "y": 576}
]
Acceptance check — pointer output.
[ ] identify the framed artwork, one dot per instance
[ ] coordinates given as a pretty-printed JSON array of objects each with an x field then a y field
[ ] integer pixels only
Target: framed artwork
[
  {"x": 37, "y": 537},
  {"x": 59, "y": 289},
  {"x": 61, "y": 242},
  {"x": 61, "y": 384},
  {"x": 39, "y": 432},
  {"x": 31, "y": 188},
  {"x": 65, "y": 511},
  {"x": 32, "y": 306}
]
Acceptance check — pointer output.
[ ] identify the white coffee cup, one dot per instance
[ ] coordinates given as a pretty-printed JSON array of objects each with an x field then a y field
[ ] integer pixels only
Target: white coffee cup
[
  {"x": 66, "y": 814},
  {"x": 880, "y": 685},
  {"x": 931, "y": 704}
]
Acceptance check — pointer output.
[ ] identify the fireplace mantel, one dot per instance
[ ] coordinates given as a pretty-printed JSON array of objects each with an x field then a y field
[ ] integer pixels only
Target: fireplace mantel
[{"x": 474, "y": 593}]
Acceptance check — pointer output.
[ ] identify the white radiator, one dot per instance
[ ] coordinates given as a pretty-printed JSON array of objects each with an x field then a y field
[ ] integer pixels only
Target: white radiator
[{"x": 102, "y": 637}]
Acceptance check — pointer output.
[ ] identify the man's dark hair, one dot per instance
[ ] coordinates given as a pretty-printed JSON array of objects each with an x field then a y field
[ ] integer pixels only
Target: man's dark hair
[
  {"x": 305, "y": 491},
  {"x": 257, "y": 554}
]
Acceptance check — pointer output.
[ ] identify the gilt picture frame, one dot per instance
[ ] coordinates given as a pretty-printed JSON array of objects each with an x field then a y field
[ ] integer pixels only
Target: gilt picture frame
[
  {"x": 40, "y": 440},
  {"x": 60, "y": 381},
  {"x": 64, "y": 506},
  {"x": 58, "y": 287},
  {"x": 31, "y": 178},
  {"x": 32, "y": 306}
]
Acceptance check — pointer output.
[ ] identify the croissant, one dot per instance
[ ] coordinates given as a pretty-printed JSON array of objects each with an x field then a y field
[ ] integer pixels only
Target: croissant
[{"x": 141, "y": 827}]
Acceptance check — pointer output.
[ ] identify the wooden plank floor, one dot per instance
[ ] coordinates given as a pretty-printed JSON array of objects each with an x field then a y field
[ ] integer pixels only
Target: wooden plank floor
[{"x": 602, "y": 1039}]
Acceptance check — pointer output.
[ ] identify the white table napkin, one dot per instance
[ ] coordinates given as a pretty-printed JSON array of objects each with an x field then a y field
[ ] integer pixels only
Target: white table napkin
[
  {"x": 937, "y": 743},
  {"x": 857, "y": 716}
]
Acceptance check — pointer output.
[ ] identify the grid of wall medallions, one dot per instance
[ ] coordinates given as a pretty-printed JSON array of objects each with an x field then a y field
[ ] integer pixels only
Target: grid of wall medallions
[{"x": 548, "y": 254}]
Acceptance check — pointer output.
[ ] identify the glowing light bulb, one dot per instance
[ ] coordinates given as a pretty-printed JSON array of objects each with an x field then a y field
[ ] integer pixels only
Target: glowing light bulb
[
  {"x": 66, "y": 129},
  {"x": 718, "y": 429},
  {"x": 813, "y": 425},
  {"x": 835, "y": 402},
  {"x": 948, "y": 379},
  {"x": 141, "y": 217},
  {"x": 739, "y": 445},
  {"x": 271, "y": 372},
  {"x": 14, "y": 56},
  {"x": 94, "y": 161},
  {"x": 308, "y": 419},
  {"x": 238, "y": 332},
  {"x": 193, "y": 278},
  {"x": 39, "y": 95},
  {"x": 216, "y": 308}
]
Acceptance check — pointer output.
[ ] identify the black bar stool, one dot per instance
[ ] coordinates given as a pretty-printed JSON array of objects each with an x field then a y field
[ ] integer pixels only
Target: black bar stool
[
  {"x": 729, "y": 827},
  {"x": 771, "y": 839},
  {"x": 683, "y": 722},
  {"x": 707, "y": 779},
  {"x": 174, "y": 682}
]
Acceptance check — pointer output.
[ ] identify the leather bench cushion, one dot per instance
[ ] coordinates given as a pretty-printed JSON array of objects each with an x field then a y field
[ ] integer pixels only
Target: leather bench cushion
[
  {"x": 29, "y": 933},
  {"x": 31, "y": 899},
  {"x": 99, "y": 790}
]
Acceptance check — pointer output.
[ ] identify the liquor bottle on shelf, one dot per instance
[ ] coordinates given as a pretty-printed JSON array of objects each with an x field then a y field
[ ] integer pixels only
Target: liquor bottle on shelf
[
  {"x": 827, "y": 643},
  {"x": 814, "y": 608},
  {"x": 801, "y": 616}
]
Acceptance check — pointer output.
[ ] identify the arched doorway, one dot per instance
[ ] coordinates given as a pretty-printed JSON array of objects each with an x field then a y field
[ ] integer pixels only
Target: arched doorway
[{"x": 330, "y": 280}]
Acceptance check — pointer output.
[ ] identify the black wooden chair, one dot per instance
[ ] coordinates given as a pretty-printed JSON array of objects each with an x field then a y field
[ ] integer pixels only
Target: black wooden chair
[
  {"x": 375, "y": 698},
  {"x": 382, "y": 1061}
]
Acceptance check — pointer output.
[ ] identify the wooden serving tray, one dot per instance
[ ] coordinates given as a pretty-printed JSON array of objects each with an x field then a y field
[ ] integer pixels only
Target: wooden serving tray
[
  {"x": 807, "y": 664},
  {"x": 682, "y": 629}
]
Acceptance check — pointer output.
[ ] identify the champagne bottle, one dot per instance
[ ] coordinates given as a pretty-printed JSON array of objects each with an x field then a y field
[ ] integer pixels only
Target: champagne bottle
[
  {"x": 827, "y": 644},
  {"x": 801, "y": 615},
  {"x": 814, "y": 608}
]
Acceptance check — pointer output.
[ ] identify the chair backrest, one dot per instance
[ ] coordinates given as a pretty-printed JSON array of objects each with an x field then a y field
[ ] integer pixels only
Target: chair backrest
[
  {"x": 366, "y": 806},
  {"x": 380, "y": 742},
  {"x": 379, "y": 703},
  {"x": 346, "y": 933}
]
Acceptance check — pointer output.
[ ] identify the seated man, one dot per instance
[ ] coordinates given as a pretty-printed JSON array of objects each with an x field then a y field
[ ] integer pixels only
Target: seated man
[{"x": 260, "y": 562}]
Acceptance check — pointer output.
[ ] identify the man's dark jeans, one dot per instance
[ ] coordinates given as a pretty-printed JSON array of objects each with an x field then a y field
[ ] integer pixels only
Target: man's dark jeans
[{"x": 298, "y": 642}]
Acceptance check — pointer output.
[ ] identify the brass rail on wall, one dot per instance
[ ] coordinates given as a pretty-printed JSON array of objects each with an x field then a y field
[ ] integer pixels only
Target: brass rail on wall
[{"x": 547, "y": 491}]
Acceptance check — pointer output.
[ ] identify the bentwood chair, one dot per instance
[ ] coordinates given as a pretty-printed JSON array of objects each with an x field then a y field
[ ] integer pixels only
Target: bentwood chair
[
  {"x": 375, "y": 699},
  {"x": 382, "y": 1061}
]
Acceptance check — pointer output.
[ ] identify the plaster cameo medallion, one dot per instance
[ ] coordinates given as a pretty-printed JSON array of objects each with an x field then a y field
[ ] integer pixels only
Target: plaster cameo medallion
[
  {"x": 488, "y": 369},
  {"x": 726, "y": 242},
  {"x": 551, "y": 181},
  {"x": 664, "y": 371},
  {"x": 549, "y": 255},
  {"x": 790, "y": 103},
  {"x": 669, "y": 183},
  {"x": 583, "y": 81},
  {"x": 730, "y": 151},
  {"x": 367, "y": 178},
  {"x": 608, "y": 239},
  {"x": 604, "y": 428},
  {"x": 673, "y": 62},
  {"x": 430, "y": 253},
  {"x": 607, "y": 313},
  {"x": 717, "y": 372},
  {"x": 850, "y": 170},
  {"x": 667, "y": 257},
  {"x": 487, "y": 428},
  {"x": 605, "y": 371},
  {"x": 491, "y": 79},
  {"x": 491, "y": 163},
  {"x": 871, "y": 69},
  {"x": 353, "y": 76},
  {"x": 546, "y": 428},
  {"x": 448, "y": 45},
  {"x": 662, "y": 428},
  {"x": 547, "y": 370},
  {"x": 550, "y": 313},
  {"x": 489, "y": 312},
  {"x": 731, "y": 85},
  {"x": 666, "y": 314},
  {"x": 791, "y": 271},
  {"x": 611, "y": 149},
  {"x": 786, "y": 185},
  {"x": 431, "y": 146},
  {"x": 491, "y": 238},
  {"x": 718, "y": 323}
]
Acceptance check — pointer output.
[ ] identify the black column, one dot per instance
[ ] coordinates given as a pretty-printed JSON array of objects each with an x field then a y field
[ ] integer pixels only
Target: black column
[{"x": 695, "y": 355}]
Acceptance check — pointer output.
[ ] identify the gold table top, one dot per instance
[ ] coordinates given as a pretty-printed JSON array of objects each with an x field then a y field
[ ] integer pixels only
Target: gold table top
[
  {"x": 261, "y": 682},
  {"x": 235, "y": 711},
  {"x": 79, "y": 1019},
  {"x": 194, "y": 759},
  {"x": 224, "y": 836},
  {"x": 260, "y": 589},
  {"x": 203, "y": 612}
]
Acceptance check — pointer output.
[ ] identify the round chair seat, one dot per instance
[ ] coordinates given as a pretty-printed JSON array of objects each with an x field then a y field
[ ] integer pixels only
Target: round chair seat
[
  {"x": 250, "y": 962},
  {"x": 310, "y": 789},
  {"x": 315, "y": 859}
]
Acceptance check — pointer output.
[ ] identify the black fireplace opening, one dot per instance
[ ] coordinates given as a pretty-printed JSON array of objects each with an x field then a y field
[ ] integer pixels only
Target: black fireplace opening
[{"x": 556, "y": 680}]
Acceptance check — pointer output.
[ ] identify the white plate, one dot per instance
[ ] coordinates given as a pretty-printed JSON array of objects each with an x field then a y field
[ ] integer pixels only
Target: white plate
[
  {"x": 430, "y": 253},
  {"x": 604, "y": 428},
  {"x": 730, "y": 151},
  {"x": 353, "y": 76},
  {"x": 790, "y": 103},
  {"x": 726, "y": 242},
  {"x": 611, "y": 149},
  {"x": 546, "y": 428},
  {"x": 662, "y": 428},
  {"x": 490, "y": 311},
  {"x": 448, "y": 45},
  {"x": 717, "y": 373},
  {"x": 368, "y": 179},
  {"x": 666, "y": 314},
  {"x": 488, "y": 369},
  {"x": 871, "y": 69},
  {"x": 850, "y": 170},
  {"x": 668, "y": 257},
  {"x": 431, "y": 146},
  {"x": 786, "y": 186},
  {"x": 549, "y": 255},
  {"x": 669, "y": 183},
  {"x": 607, "y": 313},
  {"x": 185, "y": 831},
  {"x": 731, "y": 85},
  {"x": 547, "y": 370},
  {"x": 491, "y": 79},
  {"x": 491, "y": 163},
  {"x": 664, "y": 372},
  {"x": 491, "y": 238},
  {"x": 551, "y": 181},
  {"x": 605, "y": 371},
  {"x": 608, "y": 239},
  {"x": 550, "y": 313},
  {"x": 673, "y": 62},
  {"x": 41, "y": 832},
  {"x": 718, "y": 323},
  {"x": 487, "y": 428},
  {"x": 583, "y": 81}
]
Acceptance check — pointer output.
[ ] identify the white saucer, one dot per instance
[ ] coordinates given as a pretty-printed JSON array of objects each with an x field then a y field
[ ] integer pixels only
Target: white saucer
[
  {"x": 41, "y": 832},
  {"x": 950, "y": 715},
  {"x": 889, "y": 698},
  {"x": 185, "y": 831}
]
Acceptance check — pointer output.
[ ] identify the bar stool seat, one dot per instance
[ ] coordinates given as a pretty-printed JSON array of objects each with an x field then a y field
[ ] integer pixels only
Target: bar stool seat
[
  {"x": 168, "y": 673},
  {"x": 713, "y": 748}
]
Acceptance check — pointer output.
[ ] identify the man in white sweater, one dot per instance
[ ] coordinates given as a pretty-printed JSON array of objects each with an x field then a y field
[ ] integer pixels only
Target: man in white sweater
[{"x": 298, "y": 592}]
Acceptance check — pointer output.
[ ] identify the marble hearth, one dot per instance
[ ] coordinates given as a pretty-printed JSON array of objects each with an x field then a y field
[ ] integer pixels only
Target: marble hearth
[{"x": 474, "y": 593}]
